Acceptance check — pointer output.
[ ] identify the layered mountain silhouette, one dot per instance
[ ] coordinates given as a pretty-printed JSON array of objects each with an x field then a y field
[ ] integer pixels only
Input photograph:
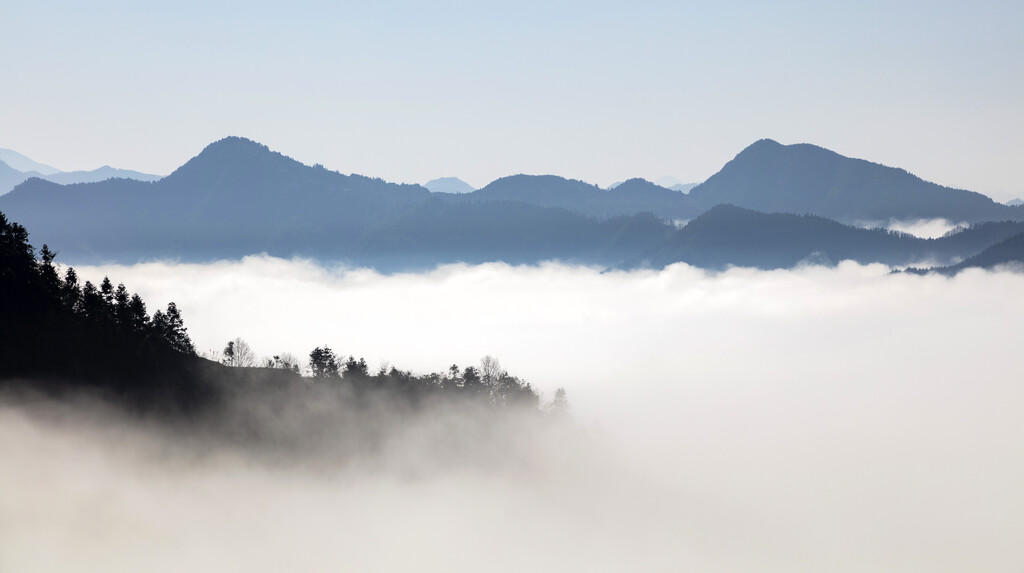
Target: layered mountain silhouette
[
  {"x": 25, "y": 164},
  {"x": 11, "y": 177},
  {"x": 733, "y": 236},
  {"x": 237, "y": 197},
  {"x": 16, "y": 168},
  {"x": 1008, "y": 252},
  {"x": 628, "y": 198}
]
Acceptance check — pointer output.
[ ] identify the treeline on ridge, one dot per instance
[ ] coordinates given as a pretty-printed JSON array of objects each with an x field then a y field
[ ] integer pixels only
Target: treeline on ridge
[{"x": 59, "y": 335}]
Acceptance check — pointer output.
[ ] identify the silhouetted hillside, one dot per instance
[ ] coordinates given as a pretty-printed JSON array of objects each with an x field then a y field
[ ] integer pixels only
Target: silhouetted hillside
[
  {"x": 59, "y": 337},
  {"x": 733, "y": 236},
  {"x": 64, "y": 336},
  {"x": 771, "y": 177},
  {"x": 1006, "y": 252}
]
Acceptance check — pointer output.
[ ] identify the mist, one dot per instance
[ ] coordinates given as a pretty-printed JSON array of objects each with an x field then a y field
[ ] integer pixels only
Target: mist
[
  {"x": 920, "y": 228},
  {"x": 839, "y": 419}
]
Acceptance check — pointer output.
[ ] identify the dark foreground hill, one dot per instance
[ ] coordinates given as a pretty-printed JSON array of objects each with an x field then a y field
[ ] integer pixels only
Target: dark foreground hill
[
  {"x": 65, "y": 340},
  {"x": 771, "y": 177},
  {"x": 732, "y": 236}
]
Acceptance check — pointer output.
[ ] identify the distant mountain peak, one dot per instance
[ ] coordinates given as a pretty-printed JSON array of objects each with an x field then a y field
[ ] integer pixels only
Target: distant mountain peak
[
  {"x": 234, "y": 142},
  {"x": 25, "y": 164},
  {"x": 239, "y": 157},
  {"x": 448, "y": 185},
  {"x": 763, "y": 143},
  {"x": 804, "y": 178}
]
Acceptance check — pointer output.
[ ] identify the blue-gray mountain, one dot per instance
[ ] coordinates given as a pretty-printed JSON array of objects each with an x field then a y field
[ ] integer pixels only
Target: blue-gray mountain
[
  {"x": 1008, "y": 252},
  {"x": 25, "y": 164},
  {"x": 10, "y": 176},
  {"x": 727, "y": 235},
  {"x": 238, "y": 197},
  {"x": 448, "y": 185},
  {"x": 802, "y": 178}
]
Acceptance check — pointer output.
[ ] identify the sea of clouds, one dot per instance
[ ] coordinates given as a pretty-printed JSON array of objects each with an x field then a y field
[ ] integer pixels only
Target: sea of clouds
[{"x": 818, "y": 419}]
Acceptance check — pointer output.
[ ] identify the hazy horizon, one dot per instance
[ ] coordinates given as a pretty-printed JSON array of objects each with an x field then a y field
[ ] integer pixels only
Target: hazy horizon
[{"x": 410, "y": 92}]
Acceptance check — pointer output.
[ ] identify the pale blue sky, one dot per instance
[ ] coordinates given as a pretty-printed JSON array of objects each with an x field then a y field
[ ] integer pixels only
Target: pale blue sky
[{"x": 599, "y": 91}]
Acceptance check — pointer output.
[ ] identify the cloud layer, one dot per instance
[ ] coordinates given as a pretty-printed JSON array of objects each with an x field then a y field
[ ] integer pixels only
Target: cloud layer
[{"x": 808, "y": 420}]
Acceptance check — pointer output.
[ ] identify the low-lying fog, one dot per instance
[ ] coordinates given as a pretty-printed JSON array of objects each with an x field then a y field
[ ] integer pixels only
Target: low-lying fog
[
  {"x": 921, "y": 228},
  {"x": 811, "y": 420}
]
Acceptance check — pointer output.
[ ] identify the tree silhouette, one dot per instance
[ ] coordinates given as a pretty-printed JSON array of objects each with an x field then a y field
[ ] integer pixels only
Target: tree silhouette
[
  {"x": 323, "y": 364},
  {"x": 238, "y": 353},
  {"x": 170, "y": 327}
]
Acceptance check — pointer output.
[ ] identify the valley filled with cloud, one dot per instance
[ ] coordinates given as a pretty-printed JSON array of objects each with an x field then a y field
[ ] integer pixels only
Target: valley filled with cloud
[{"x": 840, "y": 419}]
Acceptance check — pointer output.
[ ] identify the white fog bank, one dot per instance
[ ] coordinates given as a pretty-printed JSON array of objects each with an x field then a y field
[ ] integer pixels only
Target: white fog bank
[
  {"x": 921, "y": 228},
  {"x": 812, "y": 420}
]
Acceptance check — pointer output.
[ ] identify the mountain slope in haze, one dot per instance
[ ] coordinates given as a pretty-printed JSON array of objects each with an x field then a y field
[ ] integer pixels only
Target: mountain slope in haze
[
  {"x": 99, "y": 174},
  {"x": 628, "y": 198},
  {"x": 11, "y": 177},
  {"x": 1006, "y": 252},
  {"x": 669, "y": 182},
  {"x": 438, "y": 231},
  {"x": 25, "y": 164},
  {"x": 235, "y": 198},
  {"x": 683, "y": 187},
  {"x": 448, "y": 185},
  {"x": 727, "y": 235},
  {"x": 802, "y": 178}
]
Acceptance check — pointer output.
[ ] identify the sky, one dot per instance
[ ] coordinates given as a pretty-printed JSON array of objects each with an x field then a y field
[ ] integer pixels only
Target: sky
[{"x": 598, "y": 91}]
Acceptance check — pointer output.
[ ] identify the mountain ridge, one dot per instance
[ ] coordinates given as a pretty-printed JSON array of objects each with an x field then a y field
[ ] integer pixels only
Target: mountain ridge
[
  {"x": 728, "y": 235},
  {"x": 768, "y": 176},
  {"x": 238, "y": 197}
]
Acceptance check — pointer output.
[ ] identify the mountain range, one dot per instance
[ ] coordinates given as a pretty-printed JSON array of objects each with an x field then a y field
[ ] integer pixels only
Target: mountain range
[
  {"x": 727, "y": 235},
  {"x": 16, "y": 168},
  {"x": 25, "y": 164},
  {"x": 772, "y": 206},
  {"x": 1009, "y": 252}
]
